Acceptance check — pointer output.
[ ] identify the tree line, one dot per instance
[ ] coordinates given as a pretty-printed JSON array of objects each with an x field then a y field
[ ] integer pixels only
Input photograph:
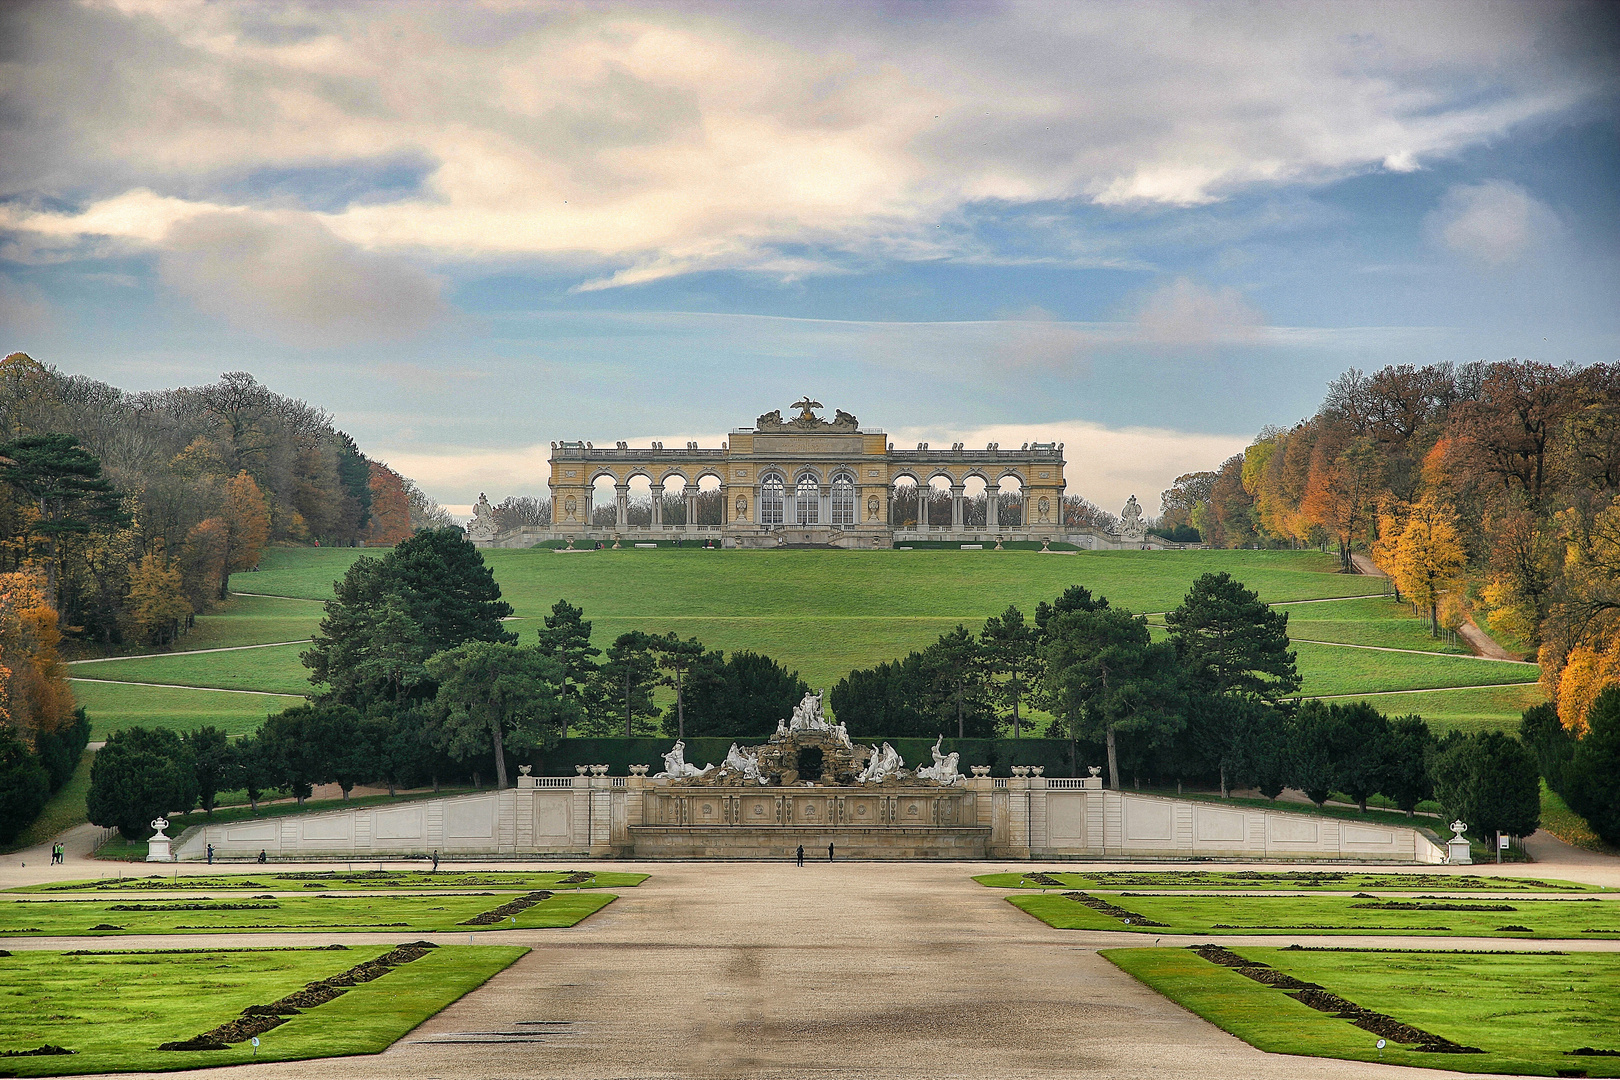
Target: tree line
[
  {"x": 415, "y": 679},
  {"x": 1486, "y": 490},
  {"x": 1212, "y": 702},
  {"x": 135, "y": 508}
]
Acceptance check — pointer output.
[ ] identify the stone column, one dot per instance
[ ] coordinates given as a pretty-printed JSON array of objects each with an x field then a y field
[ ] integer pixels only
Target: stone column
[
  {"x": 621, "y": 507},
  {"x": 956, "y": 506},
  {"x": 923, "y": 491},
  {"x": 689, "y": 493},
  {"x": 657, "y": 507}
]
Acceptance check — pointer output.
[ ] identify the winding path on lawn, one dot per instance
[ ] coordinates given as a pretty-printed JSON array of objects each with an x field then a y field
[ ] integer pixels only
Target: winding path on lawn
[{"x": 851, "y": 970}]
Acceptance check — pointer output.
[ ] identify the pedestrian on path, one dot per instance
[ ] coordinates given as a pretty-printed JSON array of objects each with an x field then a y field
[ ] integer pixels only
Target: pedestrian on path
[
  {"x": 801, "y": 854},
  {"x": 210, "y": 854},
  {"x": 435, "y": 860},
  {"x": 829, "y": 852},
  {"x": 56, "y": 854}
]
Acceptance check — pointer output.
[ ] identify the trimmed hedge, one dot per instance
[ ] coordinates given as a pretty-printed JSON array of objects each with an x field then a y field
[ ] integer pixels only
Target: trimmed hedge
[{"x": 620, "y": 753}]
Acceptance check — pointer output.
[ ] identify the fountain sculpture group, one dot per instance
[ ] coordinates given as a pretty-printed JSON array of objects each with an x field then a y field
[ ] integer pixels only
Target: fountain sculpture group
[{"x": 808, "y": 750}]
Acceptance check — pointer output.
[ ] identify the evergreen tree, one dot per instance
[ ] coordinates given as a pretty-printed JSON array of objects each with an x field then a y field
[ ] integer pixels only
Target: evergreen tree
[
  {"x": 211, "y": 763},
  {"x": 65, "y": 483},
  {"x": 1489, "y": 780},
  {"x": 141, "y": 774},
  {"x": 1232, "y": 649},
  {"x": 1104, "y": 668},
  {"x": 1361, "y": 751},
  {"x": 1550, "y": 741},
  {"x": 24, "y": 785},
  {"x": 1010, "y": 648},
  {"x": 1410, "y": 746},
  {"x": 431, "y": 593},
  {"x": 1312, "y": 763},
  {"x": 567, "y": 636},
  {"x": 677, "y": 658},
  {"x": 1595, "y": 769},
  {"x": 493, "y": 695},
  {"x": 620, "y": 694},
  {"x": 1074, "y": 598}
]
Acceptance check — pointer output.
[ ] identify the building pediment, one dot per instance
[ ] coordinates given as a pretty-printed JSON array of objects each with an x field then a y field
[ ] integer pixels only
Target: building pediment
[{"x": 806, "y": 422}]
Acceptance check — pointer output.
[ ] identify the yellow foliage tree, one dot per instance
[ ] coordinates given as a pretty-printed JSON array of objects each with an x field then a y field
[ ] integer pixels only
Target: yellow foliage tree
[
  {"x": 246, "y": 518},
  {"x": 35, "y": 689},
  {"x": 1587, "y": 671},
  {"x": 157, "y": 599},
  {"x": 1425, "y": 557}
]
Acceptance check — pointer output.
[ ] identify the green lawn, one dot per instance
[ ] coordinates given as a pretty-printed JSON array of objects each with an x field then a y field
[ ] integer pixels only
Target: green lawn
[
  {"x": 275, "y": 670},
  {"x": 1527, "y": 1012},
  {"x": 1334, "y": 915},
  {"x": 188, "y": 914},
  {"x": 819, "y": 612},
  {"x": 112, "y": 707},
  {"x": 347, "y": 881},
  {"x": 1282, "y": 880},
  {"x": 64, "y": 810},
  {"x": 114, "y": 1009},
  {"x": 1379, "y": 621}
]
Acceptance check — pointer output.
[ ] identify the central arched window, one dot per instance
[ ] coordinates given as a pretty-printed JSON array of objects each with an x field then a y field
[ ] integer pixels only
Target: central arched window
[
  {"x": 770, "y": 500},
  {"x": 807, "y": 500},
  {"x": 843, "y": 499}
]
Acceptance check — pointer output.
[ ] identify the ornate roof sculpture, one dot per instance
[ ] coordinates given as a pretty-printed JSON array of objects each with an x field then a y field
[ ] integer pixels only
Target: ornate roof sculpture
[{"x": 771, "y": 423}]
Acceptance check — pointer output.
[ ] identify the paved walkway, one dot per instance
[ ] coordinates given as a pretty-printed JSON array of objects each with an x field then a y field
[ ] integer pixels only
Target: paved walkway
[
  {"x": 768, "y": 970},
  {"x": 187, "y": 652}
]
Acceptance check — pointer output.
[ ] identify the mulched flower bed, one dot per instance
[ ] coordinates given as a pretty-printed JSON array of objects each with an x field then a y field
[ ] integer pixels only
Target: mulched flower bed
[
  {"x": 1324, "y": 926},
  {"x": 257, "y": 1019},
  {"x": 1404, "y": 905},
  {"x": 192, "y": 907},
  {"x": 1045, "y": 879},
  {"x": 578, "y": 877},
  {"x": 506, "y": 910},
  {"x": 1251, "y": 969},
  {"x": 1106, "y": 908},
  {"x": 47, "y": 1051}
]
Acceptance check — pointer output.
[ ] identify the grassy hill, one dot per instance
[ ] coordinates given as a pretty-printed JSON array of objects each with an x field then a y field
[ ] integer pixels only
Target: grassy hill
[{"x": 822, "y": 613}]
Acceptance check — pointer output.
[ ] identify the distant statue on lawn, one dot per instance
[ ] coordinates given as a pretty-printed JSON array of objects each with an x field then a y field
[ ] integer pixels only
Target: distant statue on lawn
[
  {"x": 482, "y": 526},
  {"x": 1130, "y": 522}
]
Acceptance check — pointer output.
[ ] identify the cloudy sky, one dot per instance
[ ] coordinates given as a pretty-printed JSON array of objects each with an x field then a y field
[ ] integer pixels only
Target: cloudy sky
[{"x": 1145, "y": 229}]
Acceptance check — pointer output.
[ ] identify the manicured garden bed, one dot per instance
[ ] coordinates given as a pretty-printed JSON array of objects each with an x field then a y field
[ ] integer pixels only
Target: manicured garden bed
[
  {"x": 1277, "y": 880},
  {"x": 269, "y": 880},
  {"x": 1252, "y": 915},
  {"x": 267, "y": 913},
  {"x": 114, "y": 1009},
  {"x": 1525, "y": 1012}
]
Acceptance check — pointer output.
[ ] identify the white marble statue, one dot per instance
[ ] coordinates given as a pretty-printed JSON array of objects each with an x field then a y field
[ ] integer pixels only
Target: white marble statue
[
  {"x": 807, "y": 715},
  {"x": 943, "y": 770},
  {"x": 885, "y": 761},
  {"x": 1131, "y": 527},
  {"x": 744, "y": 763},
  {"x": 676, "y": 767},
  {"x": 482, "y": 526}
]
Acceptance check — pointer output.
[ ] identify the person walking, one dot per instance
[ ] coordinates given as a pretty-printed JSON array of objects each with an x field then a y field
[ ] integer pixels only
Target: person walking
[
  {"x": 435, "y": 860},
  {"x": 56, "y": 854},
  {"x": 210, "y": 854},
  {"x": 829, "y": 852},
  {"x": 801, "y": 854}
]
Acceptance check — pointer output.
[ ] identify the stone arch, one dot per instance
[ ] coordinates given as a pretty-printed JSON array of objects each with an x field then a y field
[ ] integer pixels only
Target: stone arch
[
  {"x": 603, "y": 499},
  {"x": 903, "y": 492},
  {"x": 710, "y": 497},
  {"x": 975, "y": 503},
  {"x": 1011, "y": 492}
]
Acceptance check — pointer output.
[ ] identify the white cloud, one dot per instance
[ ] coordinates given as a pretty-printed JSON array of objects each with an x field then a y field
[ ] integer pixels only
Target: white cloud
[
  {"x": 646, "y": 140},
  {"x": 1496, "y": 223},
  {"x": 1183, "y": 312},
  {"x": 286, "y": 273}
]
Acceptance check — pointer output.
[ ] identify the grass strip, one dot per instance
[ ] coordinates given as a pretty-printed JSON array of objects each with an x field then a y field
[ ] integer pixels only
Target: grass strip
[{"x": 1529, "y": 1013}]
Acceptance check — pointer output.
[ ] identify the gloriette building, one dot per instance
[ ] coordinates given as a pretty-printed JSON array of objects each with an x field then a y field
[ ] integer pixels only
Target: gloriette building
[{"x": 808, "y": 481}]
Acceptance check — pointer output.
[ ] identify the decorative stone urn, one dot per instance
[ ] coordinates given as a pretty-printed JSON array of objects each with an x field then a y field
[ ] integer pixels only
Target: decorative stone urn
[
  {"x": 1457, "y": 853},
  {"x": 582, "y": 769},
  {"x": 979, "y": 770},
  {"x": 638, "y": 770},
  {"x": 158, "y": 847},
  {"x": 599, "y": 770}
]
